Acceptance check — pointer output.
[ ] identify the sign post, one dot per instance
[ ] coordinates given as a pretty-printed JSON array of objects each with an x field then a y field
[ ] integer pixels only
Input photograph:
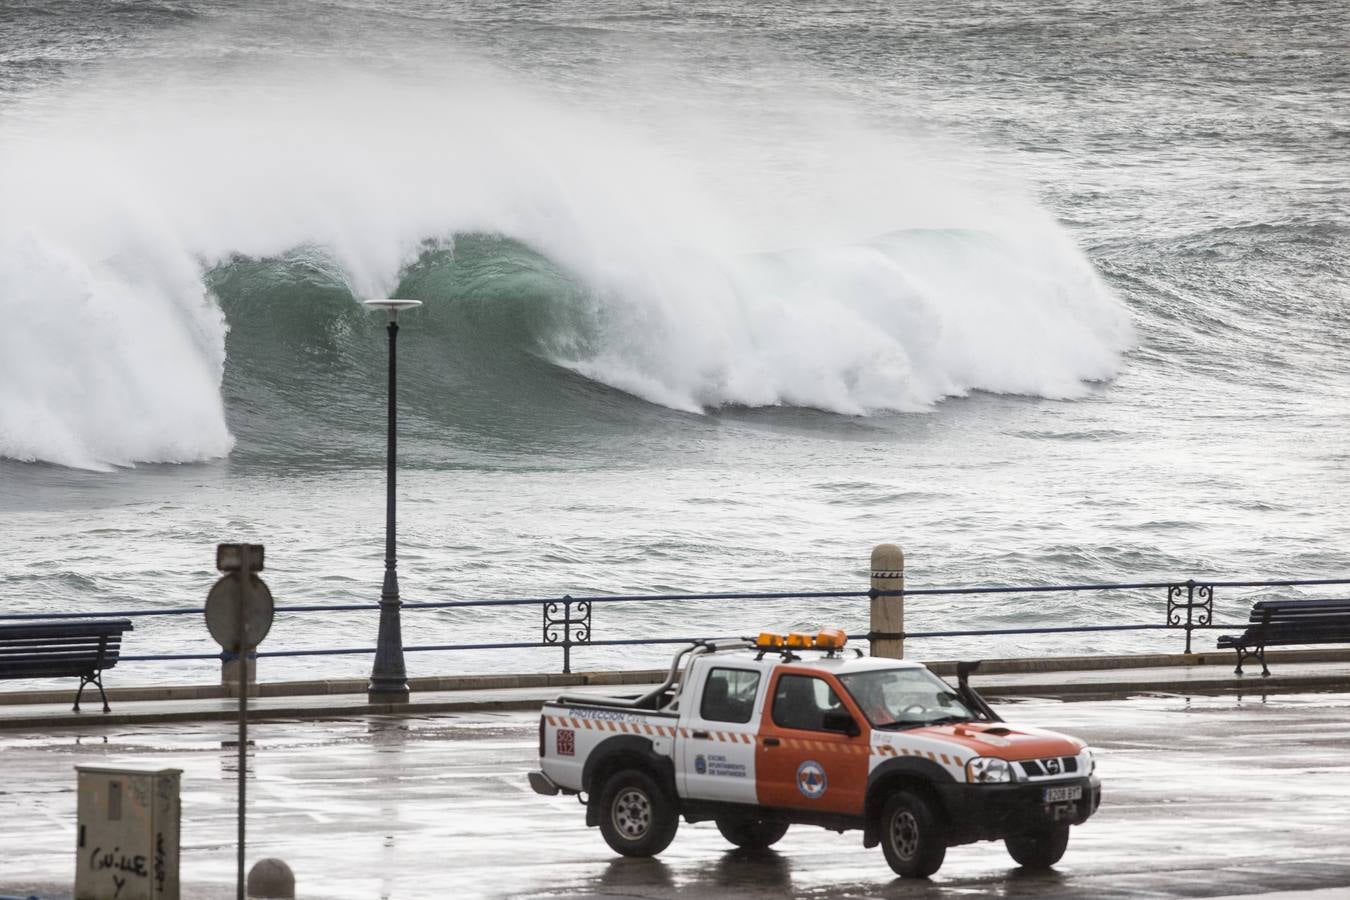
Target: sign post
[{"x": 239, "y": 614}]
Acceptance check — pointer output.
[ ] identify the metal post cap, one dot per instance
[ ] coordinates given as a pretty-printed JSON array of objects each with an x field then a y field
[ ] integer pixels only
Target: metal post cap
[{"x": 271, "y": 878}]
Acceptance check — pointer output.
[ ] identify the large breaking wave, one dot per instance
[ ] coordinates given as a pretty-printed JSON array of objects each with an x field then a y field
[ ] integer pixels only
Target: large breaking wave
[{"x": 143, "y": 236}]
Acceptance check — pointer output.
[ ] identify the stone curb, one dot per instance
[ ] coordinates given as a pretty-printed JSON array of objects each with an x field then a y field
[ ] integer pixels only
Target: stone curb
[
  {"x": 429, "y": 684},
  {"x": 1257, "y": 685},
  {"x": 1234, "y": 684},
  {"x": 339, "y": 686}
]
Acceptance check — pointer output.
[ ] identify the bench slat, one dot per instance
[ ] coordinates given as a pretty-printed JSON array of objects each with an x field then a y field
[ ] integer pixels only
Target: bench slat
[
  {"x": 1305, "y": 619},
  {"x": 26, "y": 667},
  {"x": 1303, "y": 622},
  {"x": 76, "y": 661},
  {"x": 64, "y": 653},
  {"x": 1340, "y": 632},
  {"x": 1327, "y": 632},
  {"x": 46, "y": 669},
  {"x": 47, "y": 644},
  {"x": 1277, "y": 607},
  {"x": 95, "y": 628},
  {"x": 1289, "y": 628},
  {"x": 56, "y": 651},
  {"x": 59, "y": 639},
  {"x": 6, "y": 638},
  {"x": 1334, "y": 611}
]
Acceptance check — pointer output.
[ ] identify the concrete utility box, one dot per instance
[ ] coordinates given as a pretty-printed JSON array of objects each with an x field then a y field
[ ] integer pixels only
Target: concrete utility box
[{"x": 127, "y": 840}]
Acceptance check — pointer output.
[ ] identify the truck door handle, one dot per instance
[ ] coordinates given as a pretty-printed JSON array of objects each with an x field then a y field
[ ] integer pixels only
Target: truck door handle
[
  {"x": 771, "y": 742},
  {"x": 700, "y": 734}
]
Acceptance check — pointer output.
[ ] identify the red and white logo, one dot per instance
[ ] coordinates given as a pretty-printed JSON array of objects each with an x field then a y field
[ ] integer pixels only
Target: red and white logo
[
  {"x": 567, "y": 742},
  {"x": 811, "y": 779}
]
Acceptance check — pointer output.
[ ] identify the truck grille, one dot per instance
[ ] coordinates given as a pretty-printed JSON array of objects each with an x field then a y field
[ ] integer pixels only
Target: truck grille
[{"x": 1050, "y": 767}]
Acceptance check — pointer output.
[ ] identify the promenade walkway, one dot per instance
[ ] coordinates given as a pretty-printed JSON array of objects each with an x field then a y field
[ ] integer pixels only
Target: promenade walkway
[
  {"x": 1206, "y": 795},
  {"x": 1296, "y": 671}
]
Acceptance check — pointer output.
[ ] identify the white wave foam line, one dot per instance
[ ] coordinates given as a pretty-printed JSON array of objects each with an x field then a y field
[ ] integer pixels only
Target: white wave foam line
[
  {"x": 118, "y": 199},
  {"x": 893, "y": 325}
]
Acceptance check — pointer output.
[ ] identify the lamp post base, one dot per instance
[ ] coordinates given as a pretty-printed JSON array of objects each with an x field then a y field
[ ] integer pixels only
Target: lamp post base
[
  {"x": 388, "y": 676},
  {"x": 387, "y": 695}
]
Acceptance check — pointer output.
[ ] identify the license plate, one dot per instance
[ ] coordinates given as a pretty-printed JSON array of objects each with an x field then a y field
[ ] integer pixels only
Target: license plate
[{"x": 1063, "y": 794}]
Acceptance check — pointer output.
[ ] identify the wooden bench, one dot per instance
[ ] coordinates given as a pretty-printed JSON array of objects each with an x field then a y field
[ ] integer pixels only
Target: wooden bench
[
  {"x": 1275, "y": 622},
  {"x": 59, "y": 649}
]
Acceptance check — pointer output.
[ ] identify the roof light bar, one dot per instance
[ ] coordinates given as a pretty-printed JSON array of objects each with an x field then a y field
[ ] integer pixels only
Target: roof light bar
[{"x": 830, "y": 639}]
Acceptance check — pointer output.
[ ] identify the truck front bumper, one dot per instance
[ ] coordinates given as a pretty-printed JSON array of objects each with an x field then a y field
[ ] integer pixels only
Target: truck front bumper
[{"x": 982, "y": 812}]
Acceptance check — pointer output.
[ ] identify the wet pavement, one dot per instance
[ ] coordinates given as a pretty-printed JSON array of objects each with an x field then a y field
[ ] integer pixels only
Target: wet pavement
[{"x": 1203, "y": 797}]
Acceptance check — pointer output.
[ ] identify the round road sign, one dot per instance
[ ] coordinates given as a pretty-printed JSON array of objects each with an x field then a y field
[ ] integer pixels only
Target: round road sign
[{"x": 222, "y": 611}]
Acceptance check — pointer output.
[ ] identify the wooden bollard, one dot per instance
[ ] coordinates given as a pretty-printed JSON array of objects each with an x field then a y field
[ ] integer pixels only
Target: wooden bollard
[{"x": 887, "y": 634}]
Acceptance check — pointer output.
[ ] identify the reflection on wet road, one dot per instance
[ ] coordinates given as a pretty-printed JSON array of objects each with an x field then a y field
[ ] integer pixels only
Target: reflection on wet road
[{"x": 1202, "y": 797}]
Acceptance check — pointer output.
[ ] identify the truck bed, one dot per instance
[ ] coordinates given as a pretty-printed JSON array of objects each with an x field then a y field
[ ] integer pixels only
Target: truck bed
[{"x": 649, "y": 702}]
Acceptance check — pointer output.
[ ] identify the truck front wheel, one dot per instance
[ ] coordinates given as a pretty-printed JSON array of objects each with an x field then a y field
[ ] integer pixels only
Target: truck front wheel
[
  {"x": 752, "y": 832},
  {"x": 912, "y": 836},
  {"x": 1038, "y": 849},
  {"x": 636, "y": 816}
]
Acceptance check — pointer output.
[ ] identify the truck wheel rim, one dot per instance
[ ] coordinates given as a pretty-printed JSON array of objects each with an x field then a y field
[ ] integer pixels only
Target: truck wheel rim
[
  {"x": 632, "y": 813},
  {"x": 904, "y": 834}
]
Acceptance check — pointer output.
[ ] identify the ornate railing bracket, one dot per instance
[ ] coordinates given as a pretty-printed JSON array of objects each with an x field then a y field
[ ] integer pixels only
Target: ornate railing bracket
[
  {"x": 1198, "y": 606},
  {"x": 567, "y": 623}
]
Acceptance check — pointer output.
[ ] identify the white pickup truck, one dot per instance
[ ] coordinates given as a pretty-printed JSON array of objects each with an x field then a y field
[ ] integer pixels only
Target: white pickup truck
[{"x": 760, "y": 734}]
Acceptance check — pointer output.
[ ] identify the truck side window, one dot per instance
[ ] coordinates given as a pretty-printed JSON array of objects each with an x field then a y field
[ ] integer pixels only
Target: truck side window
[
  {"x": 729, "y": 696},
  {"x": 801, "y": 701}
]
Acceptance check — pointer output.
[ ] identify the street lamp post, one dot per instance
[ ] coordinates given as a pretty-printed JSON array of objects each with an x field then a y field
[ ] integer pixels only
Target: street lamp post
[{"x": 388, "y": 677}]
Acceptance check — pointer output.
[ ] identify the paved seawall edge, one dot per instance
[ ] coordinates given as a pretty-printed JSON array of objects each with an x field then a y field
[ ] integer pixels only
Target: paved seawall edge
[
  {"x": 1217, "y": 660},
  {"x": 1082, "y": 679}
]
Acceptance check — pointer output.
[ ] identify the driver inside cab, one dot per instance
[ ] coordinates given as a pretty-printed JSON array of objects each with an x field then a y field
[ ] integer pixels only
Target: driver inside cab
[{"x": 900, "y": 697}]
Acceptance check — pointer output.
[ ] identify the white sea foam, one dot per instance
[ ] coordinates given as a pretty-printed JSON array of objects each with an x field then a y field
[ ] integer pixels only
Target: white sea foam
[
  {"x": 117, "y": 200},
  {"x": 110, "y": 354}
]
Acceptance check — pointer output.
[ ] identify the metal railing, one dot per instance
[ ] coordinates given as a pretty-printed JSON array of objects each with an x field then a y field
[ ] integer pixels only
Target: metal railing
[{"x": 568, "y": 622}]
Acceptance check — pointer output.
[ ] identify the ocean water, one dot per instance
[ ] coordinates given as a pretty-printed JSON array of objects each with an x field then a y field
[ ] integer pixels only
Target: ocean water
[{"x": 717, "y": 295}]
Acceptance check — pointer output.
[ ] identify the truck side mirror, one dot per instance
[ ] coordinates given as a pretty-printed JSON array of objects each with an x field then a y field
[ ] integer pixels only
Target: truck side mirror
[
  {"x": 840, "y": 720},
  {"x": 968, "y": 695}
]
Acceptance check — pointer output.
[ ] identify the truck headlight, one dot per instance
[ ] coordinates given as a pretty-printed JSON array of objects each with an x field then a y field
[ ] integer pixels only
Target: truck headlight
[
  {"x": 1091, "y": 760},
  {"x": 988, "y": 770}
]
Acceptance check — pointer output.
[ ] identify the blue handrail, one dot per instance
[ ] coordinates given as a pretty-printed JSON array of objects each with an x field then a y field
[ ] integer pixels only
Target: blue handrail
[
  {"x": 641, "y": 598},
  {"x": 1189, "y": 607}
]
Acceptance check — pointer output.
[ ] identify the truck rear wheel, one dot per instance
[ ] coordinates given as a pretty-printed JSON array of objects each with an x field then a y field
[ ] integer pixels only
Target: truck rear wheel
[
  {"x": 912, "y": 836},
  {"x": 636, "y": 816},
  {"x": 752, "y": 832},
  {"x": 1038, "y": 849}
]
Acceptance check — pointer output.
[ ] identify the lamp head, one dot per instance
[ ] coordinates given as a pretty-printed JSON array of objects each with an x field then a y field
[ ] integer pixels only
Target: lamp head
[{"x": 393, "y": 306}]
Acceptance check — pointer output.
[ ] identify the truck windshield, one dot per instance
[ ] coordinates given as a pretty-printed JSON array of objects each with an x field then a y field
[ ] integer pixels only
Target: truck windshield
[{"x": 905, "y": 698}]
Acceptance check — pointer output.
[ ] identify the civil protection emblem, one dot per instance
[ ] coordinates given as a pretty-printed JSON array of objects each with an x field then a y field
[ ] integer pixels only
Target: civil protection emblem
[{"x": 811, "y": 779}]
